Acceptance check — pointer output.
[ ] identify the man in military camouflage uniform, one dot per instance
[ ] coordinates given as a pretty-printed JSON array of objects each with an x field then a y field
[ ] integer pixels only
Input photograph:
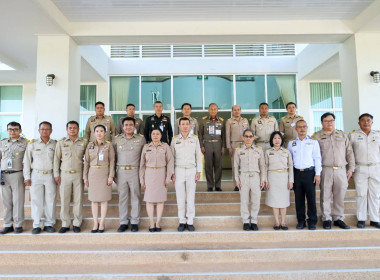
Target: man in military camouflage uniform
[
  {"x": 288, "y": 123},
  {"x": 102, "y": 119},
  {"x": 139, "y": 126},
  {"x": 186, "y": 112},
  {"x": 159, "y": 121}
]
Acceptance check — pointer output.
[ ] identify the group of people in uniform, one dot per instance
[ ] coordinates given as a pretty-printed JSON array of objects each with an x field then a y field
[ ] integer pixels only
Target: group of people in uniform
[{"x": 264, "y": 155}]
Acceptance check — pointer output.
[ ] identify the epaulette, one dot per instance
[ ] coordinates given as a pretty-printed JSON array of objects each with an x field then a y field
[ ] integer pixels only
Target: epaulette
[
  {"x": 27, "y": 140},
  {"x": 271, "y": 116},
  {"x": 108, "y": 141},
  {"x": 205, "y": 117},
  {"x": 293, "y": 139},
  {"x": 141, "y": 134},
  {"x": 63, "y": 138},
  {"x": 195, "y": 135},
  {"x": 283, "y": 117},
  {"x": 117, "y": 135},
  {"x": 258, "y": 147},
  {"x": 300, "y": 116},
  {"x": 84, "y": 139},
  {"x": 3, "y": 139},
  {"x": 221, "y": 118},
  {"x": 32, "y": 141},
  {"x": 237, "y": 148},
  {"x": 178, "y": 118},
  {"x": 175, "y": 136},
  {"x": 352, "y": 131},
  {"x": 230, "y": 119}
]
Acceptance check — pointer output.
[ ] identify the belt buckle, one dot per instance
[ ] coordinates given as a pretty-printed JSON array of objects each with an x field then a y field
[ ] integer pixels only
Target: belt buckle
[
  {"x": 72, "y": 171},
  {"x": 302, "y": 170},
  {"x": 45, "y": 172},
  {"x": 128, "y": 168},
  {"x": 335, "y": 167}
]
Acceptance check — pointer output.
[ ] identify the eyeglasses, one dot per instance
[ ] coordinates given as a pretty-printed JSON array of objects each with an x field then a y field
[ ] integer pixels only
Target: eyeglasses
[
  {"x": 302, "y": 126},
  {"x": 13, "y": 129},
  {"x": 248, "y": 136},
  {"x": 328, "y": 121}
]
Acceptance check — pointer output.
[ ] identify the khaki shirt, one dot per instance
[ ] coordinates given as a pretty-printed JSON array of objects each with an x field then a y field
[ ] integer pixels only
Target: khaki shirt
[
  {"x": 93, "y": 121},
  {"x": 39, "y": 156},
  {"x": 194, "y": 127},
  {"x": 280, "y": 159},
  {"x": 69, "y": 155},
  {"x": 187, "y": 152},
  {"x": 336, "y": 149},
  {"x": 128, "y": 150},
  {"x": 160, "y": 156},
  {"x": 248, "y": 160},
  {"x": 13, "y": 150},
  {"x": 263, "y": 128},
  {"x": 139, "y": 126},
  {"x": 234, "y": 130},
  {"x": 99, "y": 155},
  {"x": 366, "y": 147},
  {"x": 288, "y": 127},
  {"x": 212, "y": 129}
]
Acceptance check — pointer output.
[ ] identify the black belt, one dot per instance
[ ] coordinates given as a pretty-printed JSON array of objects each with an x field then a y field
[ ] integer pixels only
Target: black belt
[
  {"x": 305, "y": 169},
  {"x": 9, "y": 171}
]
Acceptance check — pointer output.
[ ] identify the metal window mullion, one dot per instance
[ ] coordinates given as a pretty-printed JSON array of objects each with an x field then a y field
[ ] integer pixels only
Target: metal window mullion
[
  {"x": 140, "y": 105},
  {"x": 234, "y": 88},
  {"x": 266, "y": 87},
  {"x": 172, "y": 113}
]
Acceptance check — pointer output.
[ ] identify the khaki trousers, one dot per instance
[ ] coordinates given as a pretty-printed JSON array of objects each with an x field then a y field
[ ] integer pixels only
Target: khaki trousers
[
  {"x": 185, "y": 192},
  {"x": 234, "y": 145},
  {"x": 333, "y": 185},
  {"x": 42, "y": 196},
  {"x": 250, "y": 188},
  {"x": 13, "y": 193},
  {"x": 71, "y": 184},
  {"x": 128, "y": 182},
  {"x": 367, "y": 183}
]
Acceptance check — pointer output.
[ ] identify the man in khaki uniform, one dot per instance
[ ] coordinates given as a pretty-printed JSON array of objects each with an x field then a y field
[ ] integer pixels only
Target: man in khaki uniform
[
  {"x": 250, "y": 176},
  {"x": 39, "y": 157},
  {"x": 288, "y": 123},
  {"x": 188, "y": 167},
  {"x": 338, "y": 164},
  {"x": 263, "y": 126},
  {"x": 128, "y": 147},
  {"x": 102, "y": 119},
  {"x": 68, "y": 170},
  {"x": 366, "y": 145},
  {"x": 139, "y": 126},
  {"x": 186, "y": 112},
  {"x": 12, "y": 151},
  {"x": 235, "y": 127},
  {"x": 212, "y": 139}
]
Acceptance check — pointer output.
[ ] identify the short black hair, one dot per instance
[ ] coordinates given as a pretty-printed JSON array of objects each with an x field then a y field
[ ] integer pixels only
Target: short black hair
[
  {"x": 99, "y": 103},
  {"x": 154, "y": 129},
  {"x": 184, "y": 104},
  {"x": 263, "y": 103},
  {"x": 291, "y": 103},
  {"x": 248, "y": 130},
  {"x": 300, "y": 121},
  {"x": 128, "y": 119},
  {"x": 72, "y": 122},
  {"x": 325, "y": 115},
  {"x": 100, "y": 125},
  {"x": 157, "y": 102},
  {"x": 209, "y": 105},
  {"x": 274, "y": 133},
  {"x": 366, "y": 115},
  {"x": 14, "y": 124},
  {"x": 45, "y": 122},
  {"x": 183, "y": 119},
  {"x": 130, "y": 104}
]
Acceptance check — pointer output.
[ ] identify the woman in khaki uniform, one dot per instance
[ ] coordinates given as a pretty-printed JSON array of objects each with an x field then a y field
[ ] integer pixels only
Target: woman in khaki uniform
[
  {"x": 280, "y": 179},
  {"x": 98, "y": 174},
  {"x": 156, "y": 170}
]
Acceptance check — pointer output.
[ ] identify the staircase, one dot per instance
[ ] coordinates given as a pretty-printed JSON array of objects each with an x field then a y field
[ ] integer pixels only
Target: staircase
[{"x": 218, "y": 249}]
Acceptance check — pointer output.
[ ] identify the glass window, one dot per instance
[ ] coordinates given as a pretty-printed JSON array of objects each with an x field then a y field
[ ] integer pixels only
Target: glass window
[
  {"x": 321, "y": 95},
  {"x": 219, "y": 90},
  {"x": 278, "y": 116},
  {"x": 4, "y": 120},
  {"x": 116, "y": 117},
  {"x": 124, "y": 90},
  {"x": 338, "y": 95},
  {"x": 11, "y": 99},
  {"x": 250, "y": 91},
  {"x": 155, "y": 89},
  {"x": 187, "y": 89},
  {"x": 87, "y": 98},
  {"x": 281, "y": 90},
  {"x": 82, "y": 124}
]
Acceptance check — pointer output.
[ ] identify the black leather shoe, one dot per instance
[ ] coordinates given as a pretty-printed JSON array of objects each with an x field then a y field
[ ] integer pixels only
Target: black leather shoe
[
  {"x": 152, "y": 229},
  {"x": 76, "y": 229},
  {"x": 158, "y": 229},
  {"x": 190, "y": 228},
  {"x": 94, "y": 230},
  {"x": 209, "y": 189},
  {"x": 312, "y": 227},
  {"x": 374, "y": 224},
  {"x": 135, "y": 228},
  {"x": 327, "y": 224},
  {"x": 181, "y": 227},
  {"x": 254, "y": 227},
  {"x": 361, "y": 224},
  {"x": 246, "y": 226},
  {"x": 36, "y": 230},
  {"x": 64, "y": 229},
  {"x": 49, "y": 229},
  {"x": 236, "y": 189},
  {"x": 284, "y": 227},
  {"x": 18, "y": 229},
  {"x": 218, "y": 189},
  {"x": 6, "y": 230},
  {"x": 341, "y": 224},
  {"x": 122, "y": 228},
  {"x": 301, "y": 225},
  {"x": 276, "y": 227}
]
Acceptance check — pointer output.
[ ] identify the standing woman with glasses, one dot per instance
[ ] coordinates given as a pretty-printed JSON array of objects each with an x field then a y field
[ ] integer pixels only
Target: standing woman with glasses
[
  {"x": 279, "y": 165},
  {"x": 98, "y": 174},
  {"x": 156, "y": 170}
]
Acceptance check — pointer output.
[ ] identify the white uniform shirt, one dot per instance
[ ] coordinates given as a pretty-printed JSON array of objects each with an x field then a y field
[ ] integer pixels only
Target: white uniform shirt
[{"x": 306, "y": 153}]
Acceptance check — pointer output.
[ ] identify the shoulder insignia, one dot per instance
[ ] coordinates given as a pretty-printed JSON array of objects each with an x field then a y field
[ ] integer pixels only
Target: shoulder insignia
[
  {"x": 117, "y": 135},
  {"x": 205, "y": 117},
  {"x": 237, "y": 148},
  {"x": 178, "y": 118},
  {"x": 283, "y": 117},
  {"x": 258, "y": 147},
  {"x": 32, "y": 141},
  {"x": 107, "y": 141},
  {"x": 63, "y": 138},
  {"x": 221, "y": 118},
  {"x": 140, "y": 135},
  {"x": 293, "y": 139},
  {"x": 230, "y": 119},
  {"x": 195, "y": 135},
  {"x": 3, "y": 139},
  {"x": 300, "y": 116},
  {"x": 272, "y": 117},
  {"x": 352, "y": 131},
  {"x": 27, "y": 140},
  {"x": 175, "y": 136}
]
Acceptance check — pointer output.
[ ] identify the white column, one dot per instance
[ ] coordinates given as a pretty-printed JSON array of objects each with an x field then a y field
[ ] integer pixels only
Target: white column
[{"x": 59, "y": 103}]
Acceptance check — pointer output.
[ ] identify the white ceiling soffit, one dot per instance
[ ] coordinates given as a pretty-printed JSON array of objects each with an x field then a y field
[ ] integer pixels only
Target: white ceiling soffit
[{"x": 182, "y": 10}]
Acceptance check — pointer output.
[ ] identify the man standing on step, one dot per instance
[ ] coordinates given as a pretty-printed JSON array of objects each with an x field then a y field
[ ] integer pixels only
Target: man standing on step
[
  {"x": 102, "y": 119},
  {"x": 188, "y": 167},
  {"x": 250, "y": 175},
  {"x": 186, "y": 112},
  {"x": 158, "y": 121},
  {"x": 307, "y": 170},
  {"x": 288, "y": 123},
  {"x": 263, "y": 126},
  {"x": 139, "y": 126},
  {"x": 338, "y": 164},
  {"x": 366, "y": 145},
  {"x": 38, "y": 173},
  {"x": 235, "y": 127},
  {"x": 128, "y": 147},
  {"x": 12, "y": 151},
  {"x": 68, "y": 174},
  {"x": 212, "y": 141}
]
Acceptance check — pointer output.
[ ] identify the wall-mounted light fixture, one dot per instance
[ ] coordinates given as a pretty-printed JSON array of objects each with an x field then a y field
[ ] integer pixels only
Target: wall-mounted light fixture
[
  {"x": 49, "y": 79},
  {"x": 376, "y": 76}
]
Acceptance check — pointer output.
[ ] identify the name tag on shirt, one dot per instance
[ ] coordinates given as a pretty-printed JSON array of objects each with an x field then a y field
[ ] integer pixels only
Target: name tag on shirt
[
  {"x": 293, "y": 124},
  {"x": 101, "y": 156},
  {"x": 211, "y": 129},
  {"x": 218, "y": 132}
]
